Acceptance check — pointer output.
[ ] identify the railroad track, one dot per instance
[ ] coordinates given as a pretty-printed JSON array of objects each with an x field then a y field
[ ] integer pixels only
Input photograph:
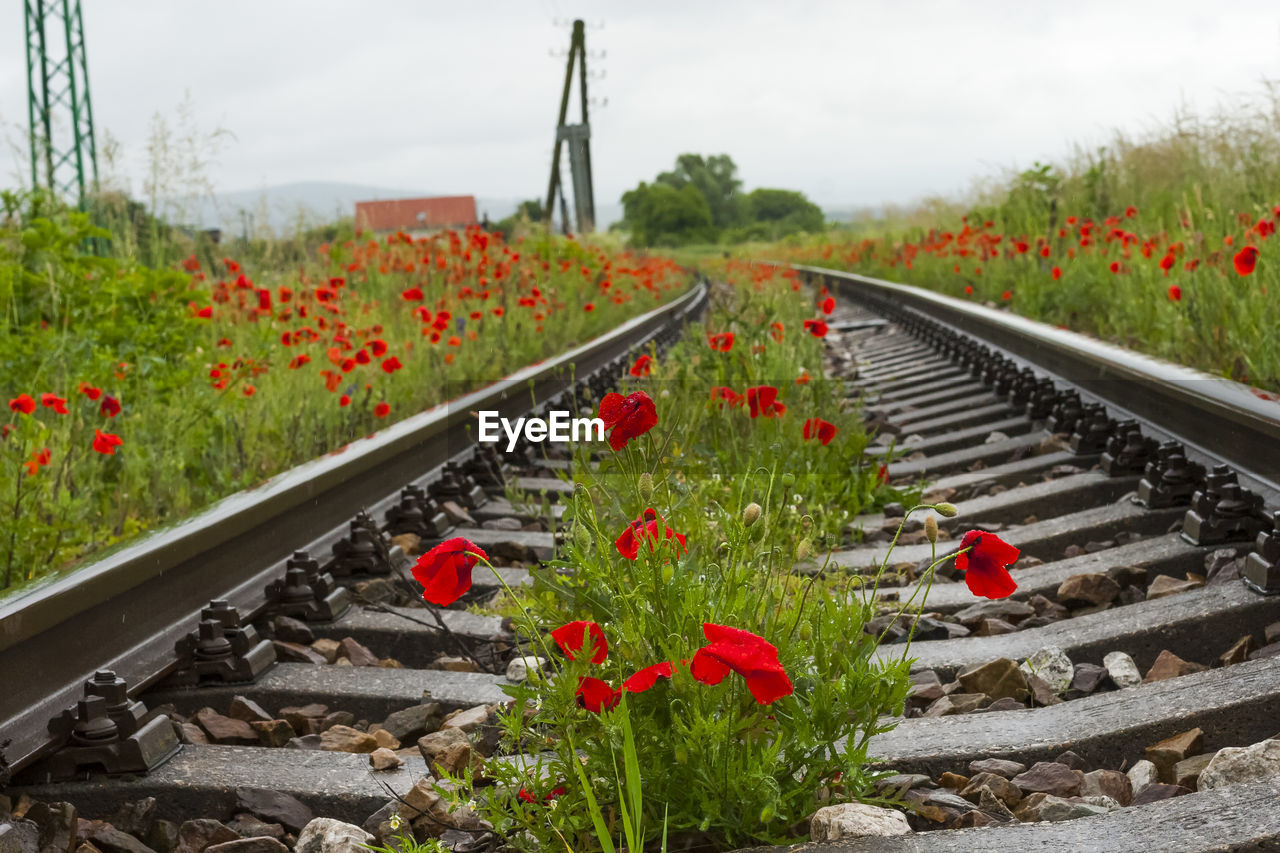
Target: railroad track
[
  {"x": 998, "y": 415},
  {"x": 1143, "y": 498},
  {"x": 188, "y": 614}
]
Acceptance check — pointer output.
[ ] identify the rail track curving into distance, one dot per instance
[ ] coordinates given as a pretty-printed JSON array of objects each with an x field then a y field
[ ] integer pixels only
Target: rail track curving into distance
[{"x": 1143, "y": 498}]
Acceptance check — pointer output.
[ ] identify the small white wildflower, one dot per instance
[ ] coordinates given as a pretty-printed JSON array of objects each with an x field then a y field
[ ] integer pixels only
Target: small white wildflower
[
  {"x": 396, "y": 821},
  {"x": 552, "y": 805},
  {"x": 472, "y": 804},
  {"x": 795, "y": 499}
]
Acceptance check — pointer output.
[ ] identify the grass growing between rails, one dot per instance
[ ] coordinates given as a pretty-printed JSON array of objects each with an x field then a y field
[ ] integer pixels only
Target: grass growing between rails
[
  {"x": 1165, "y": 244},
  {"x": 696, "y": 686},
  {"x": 136, "y": 395}
]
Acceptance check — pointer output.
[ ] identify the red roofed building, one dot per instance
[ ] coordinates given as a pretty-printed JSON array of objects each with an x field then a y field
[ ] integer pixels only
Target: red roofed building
[{"x": 416, "y": 214}]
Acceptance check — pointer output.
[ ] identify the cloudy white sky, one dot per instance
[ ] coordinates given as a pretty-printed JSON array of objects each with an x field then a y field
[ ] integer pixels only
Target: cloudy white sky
[{"x": 855, "y": 103}]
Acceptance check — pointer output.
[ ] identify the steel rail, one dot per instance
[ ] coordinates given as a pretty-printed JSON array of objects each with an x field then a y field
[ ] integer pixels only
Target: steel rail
[
  {"x": 126, "y": 611},
  {"x": 1216, "y": 418}
]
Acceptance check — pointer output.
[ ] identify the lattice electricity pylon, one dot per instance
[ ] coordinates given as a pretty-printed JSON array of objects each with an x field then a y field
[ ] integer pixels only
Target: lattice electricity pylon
[
  {"x": 57, "y": 80},
  {"x": 579, "y": 138}
]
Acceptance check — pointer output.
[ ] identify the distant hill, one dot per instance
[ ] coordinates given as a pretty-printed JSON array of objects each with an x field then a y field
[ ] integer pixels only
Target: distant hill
[{"x": 315, "y": 202}]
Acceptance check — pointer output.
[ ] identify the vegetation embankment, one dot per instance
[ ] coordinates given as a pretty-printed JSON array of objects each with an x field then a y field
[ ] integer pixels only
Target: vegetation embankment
[{"x": 137, "y": 394}]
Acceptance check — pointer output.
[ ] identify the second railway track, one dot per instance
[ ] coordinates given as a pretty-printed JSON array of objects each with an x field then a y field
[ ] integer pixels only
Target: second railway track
[{"x": 1142, "y": 498}]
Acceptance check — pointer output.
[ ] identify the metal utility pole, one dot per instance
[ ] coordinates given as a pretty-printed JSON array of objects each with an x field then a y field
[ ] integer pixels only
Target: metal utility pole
[
  {"x": 579, "y": 138},
  {"x": 57, "y": 81}
]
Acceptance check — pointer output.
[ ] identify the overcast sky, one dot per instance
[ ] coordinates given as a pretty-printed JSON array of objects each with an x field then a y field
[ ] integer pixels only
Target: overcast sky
[{"x": 855, "y": 103}]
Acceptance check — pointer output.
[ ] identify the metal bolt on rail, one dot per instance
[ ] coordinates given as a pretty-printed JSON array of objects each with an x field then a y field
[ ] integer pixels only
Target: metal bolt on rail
[
  {"x": 1170, "y": 479},
  {"x": 1223, "y": 511},
  {"x": 107, "y": 732},
  {"x": 1127, "y": 450},
  {"x": 306, "y": 593},
  {"x": 417, "y": 514},
  {"x": 222, "y": 650},
  {"x": 1041, "y": 400},
  {"x": 1262, "y": 567},
  {"x": 1067, "y": 412},
  {"x": 361, "y": 551},
  {"x": 456, "y": 486},
  {"x": 1091, "y": 431}
]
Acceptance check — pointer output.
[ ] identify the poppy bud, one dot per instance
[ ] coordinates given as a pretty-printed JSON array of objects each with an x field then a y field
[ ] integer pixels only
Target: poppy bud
[
  {"x": 668, "y": 572},
  {"x": 581, "y": 537},
  {"x": 646, "y": 486},
  {"x": 931, "y": 529},
  {"x": 766, "y": 814},
  {"x": 806, "y": 521},
  {"x": 750, "y": 514},
  {"x": 946, "y": 510},
  {"x": 788, "y": 480},
  {"x": 804, "y": 549}
]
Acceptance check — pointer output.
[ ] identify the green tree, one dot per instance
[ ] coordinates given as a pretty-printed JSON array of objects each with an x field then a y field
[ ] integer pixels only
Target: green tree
[
  {"x": 716, "y": 177},
  {"x": 783, "y": 212},
  {"x": 661, "y": 215}
]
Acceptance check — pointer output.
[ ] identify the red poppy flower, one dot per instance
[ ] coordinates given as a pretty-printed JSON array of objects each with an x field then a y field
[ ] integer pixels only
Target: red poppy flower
[
  {"x": 1057, "y": 273},
  {"x": 775, "y": 331},
  {"x": 819, "y": 429},
  {"x": 381, "y": 410},
  {"x": 1007, "y": 295},
  {"x": 1130, "y": 211},
  {"x": 597, "y": 696},
  {"x": 89, "y": 391},
  {"x": 762, "y": 401},
  {"x": 298, "y": 360},
  {"x": 412, "y": 294},
  {"x": 344, "y": 401},
  {"x": 363, "y": 357},
  {"x": 571, "y": 637},
  {"x": 646, "y": 527},
  {"x": 828, "y": 305},
  {"x": 749, "y": 655},
  {"x": 817, "y": 328},
  {"x": 528, "y": 796},
  {"x": 968, "y": 290},
  {"x": 803, "y": 378},
  {"x": 23, "y": 404},
  {"x": 589, "y": 307},
  {"x": 249, "y": 390},
  {"x": 647, "y": 677},
  {"x": 882, "y": 475},
  {"x": 445, "y": 570},
  {"x": 722, "y": 342},
  {"x": 377, "y": 347},
  {"x": 1245, "y": 260},
  {"x": 984, "y": 565},
  {"x": 725, "y": 395},
  {"x": 1175, "y": 293},
  {"x": 627, "y": 417},
  {"x": 105, "y": 442},
  {"x": 391, "y": 365},
  {"x": 53, "y": 401},
  {"x": 642, "y": 366},
  {"x": 110, "y": 406}
]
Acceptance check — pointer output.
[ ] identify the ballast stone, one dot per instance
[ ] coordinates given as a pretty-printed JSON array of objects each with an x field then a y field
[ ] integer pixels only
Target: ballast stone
[
  {"x": 326, "y": 835},
  {"x": 1234, "y": 765},
  {"x": 855, "y": 820},
  {"x": 1122, "y": 670},
  {"x": 1052, "y": 666}
]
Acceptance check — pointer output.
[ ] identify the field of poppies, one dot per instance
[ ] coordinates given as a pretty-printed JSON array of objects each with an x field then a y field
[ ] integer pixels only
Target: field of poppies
[
  {"x": 1165, "y": 245},
  {"x": 136, "y": 395},
  {"x": 704, "y": 667}
]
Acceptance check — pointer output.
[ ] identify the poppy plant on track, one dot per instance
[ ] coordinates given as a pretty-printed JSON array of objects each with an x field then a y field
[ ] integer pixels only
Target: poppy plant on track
[
  {"x": 627, "y": 417},
  {"x": 445, "y": 570},
  {"x": 745, "y": 653},
  {"x": 985, "y": 564}
]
